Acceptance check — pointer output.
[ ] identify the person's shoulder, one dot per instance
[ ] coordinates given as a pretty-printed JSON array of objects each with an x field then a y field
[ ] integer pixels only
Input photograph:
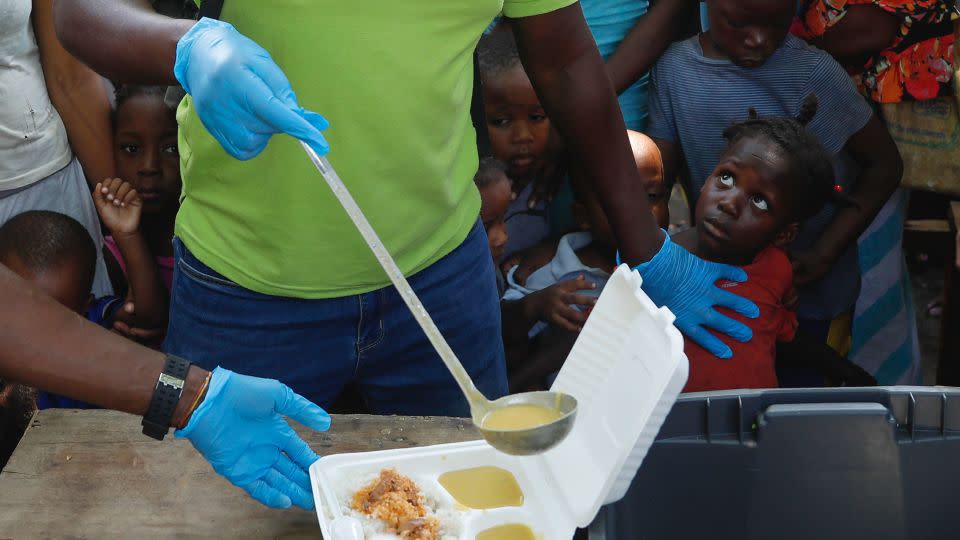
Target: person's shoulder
[
  {"x": 801, "y": 57},
  {"x": 772, "y": 266},
  {"x": 798, "y": 47},
  {"x": 678, "y": 53}
]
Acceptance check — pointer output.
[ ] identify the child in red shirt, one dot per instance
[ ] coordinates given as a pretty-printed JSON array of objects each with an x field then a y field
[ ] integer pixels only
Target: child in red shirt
[{"x": 772, "y": 175}]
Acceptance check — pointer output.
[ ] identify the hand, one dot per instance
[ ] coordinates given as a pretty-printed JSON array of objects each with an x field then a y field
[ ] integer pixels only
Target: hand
[
  {"x": 239, "y": 429},
  {"x": 119, "y": 206},
  {"x": 809, "y": 266},
  {"x": 125, "y": 324},
  {"x": 684, "y": 283},
  {"x": 547, "y": 184},
  {"x": 241, "y": 96},
  {"x": 554, "y": 304}
]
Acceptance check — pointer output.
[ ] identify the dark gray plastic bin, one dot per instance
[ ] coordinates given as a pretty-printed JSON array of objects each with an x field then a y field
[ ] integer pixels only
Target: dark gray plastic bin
[{"x": 840, "y": 463}]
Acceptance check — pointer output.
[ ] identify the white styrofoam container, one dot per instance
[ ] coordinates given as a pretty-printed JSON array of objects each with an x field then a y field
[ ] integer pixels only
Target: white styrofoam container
[{"x": 626, "y": 370}]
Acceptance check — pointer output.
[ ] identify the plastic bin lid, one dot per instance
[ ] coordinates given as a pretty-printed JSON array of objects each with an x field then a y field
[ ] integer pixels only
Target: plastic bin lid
[{"x": 626, "y": 369}]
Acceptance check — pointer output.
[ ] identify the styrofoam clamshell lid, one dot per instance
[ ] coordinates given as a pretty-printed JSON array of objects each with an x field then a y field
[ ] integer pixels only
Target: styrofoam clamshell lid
[{"x": 626, "y": 370}]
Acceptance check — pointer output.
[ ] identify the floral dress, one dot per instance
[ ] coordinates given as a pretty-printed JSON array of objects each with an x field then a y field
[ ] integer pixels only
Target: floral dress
[{"x": 917, "y": 66}]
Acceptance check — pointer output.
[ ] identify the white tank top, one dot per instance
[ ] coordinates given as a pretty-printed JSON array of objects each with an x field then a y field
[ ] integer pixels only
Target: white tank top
[{"x": 33, "y": 141}]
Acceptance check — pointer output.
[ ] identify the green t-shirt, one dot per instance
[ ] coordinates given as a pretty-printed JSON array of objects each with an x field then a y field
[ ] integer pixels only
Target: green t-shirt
[{"x": 395, "y": 79}]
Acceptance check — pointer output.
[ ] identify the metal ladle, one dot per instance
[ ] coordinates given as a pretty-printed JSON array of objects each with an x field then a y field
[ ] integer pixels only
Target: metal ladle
[{"x": 518, "y": 442}]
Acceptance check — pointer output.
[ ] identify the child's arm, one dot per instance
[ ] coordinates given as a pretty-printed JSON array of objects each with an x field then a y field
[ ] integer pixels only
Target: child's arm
[
  {"x": 119, "y": 206},
  {"x": 549, "y": 359},
  {"x": 551, "y": 305},
  {"x": 647, "y": 40},
  {"x": 881, "y": 166}
]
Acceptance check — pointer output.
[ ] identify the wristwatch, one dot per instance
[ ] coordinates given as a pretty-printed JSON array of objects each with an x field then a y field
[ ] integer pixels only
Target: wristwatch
[{"x": 166, "y": 395}]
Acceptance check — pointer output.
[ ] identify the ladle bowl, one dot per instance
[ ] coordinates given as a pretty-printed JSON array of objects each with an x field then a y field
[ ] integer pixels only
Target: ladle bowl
[{"x": 535, "y": 440}]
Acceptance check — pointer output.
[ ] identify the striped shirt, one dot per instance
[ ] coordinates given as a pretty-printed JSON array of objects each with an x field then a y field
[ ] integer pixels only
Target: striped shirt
[{"x": 694, "y": 98}]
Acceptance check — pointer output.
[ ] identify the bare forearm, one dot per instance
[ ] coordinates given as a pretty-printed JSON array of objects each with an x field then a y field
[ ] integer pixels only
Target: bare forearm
[
  {"x": 561, "y": 58},
  {"x": 149, "y": 296},
  {"x": 864, "y": 31},
  {"x": 646, "y": 41},
  {"x": 42, "y": 344},
  {"x": 881, "y": 171},
  {"x": 539, "y": 366},
  {"x": 85, "y": 110},
  {"x": 878, "y": 184},
  {"x": 79, "y": 96},
  {"x": 124, "y": 40},
  {"x": 518, "y": 318}
]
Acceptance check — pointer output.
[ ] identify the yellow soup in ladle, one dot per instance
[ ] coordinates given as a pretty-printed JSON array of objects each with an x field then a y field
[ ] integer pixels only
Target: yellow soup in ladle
[{"x": 515, "y": 417}]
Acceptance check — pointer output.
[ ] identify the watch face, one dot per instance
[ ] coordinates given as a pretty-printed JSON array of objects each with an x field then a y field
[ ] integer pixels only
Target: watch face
[{"x": 170, "y": 380}]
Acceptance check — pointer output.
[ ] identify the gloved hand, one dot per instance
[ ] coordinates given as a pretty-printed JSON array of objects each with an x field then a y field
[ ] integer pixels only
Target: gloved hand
[
  {"x": 685, "y": 283},
  {"x": 241, "y": 96},
  {"x": 238, "y": 428}
]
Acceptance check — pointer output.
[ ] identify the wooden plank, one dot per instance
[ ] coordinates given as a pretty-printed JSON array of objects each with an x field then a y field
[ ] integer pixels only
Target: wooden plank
[
  {"x": 92, "y": 474},
  {"x": 927, "y": 226}
]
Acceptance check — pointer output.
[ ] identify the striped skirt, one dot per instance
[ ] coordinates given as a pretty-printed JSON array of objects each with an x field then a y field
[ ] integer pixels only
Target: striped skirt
[{"x": 885, "y": 339}]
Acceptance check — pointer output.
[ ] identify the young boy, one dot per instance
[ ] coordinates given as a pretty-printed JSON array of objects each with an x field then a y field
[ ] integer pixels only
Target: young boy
[
  {"x": 747, "y": 59},
  {"x": 496, "y": 194},
  {"x": 55, "y": 252},
  {"x": 772, "y": 175},
  {"x": 519, "y": 132},
  {"x": 495, "y": 197}
]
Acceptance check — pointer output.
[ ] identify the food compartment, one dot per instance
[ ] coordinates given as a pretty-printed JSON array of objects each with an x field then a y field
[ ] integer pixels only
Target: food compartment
[{"x": 336, "y": 478}]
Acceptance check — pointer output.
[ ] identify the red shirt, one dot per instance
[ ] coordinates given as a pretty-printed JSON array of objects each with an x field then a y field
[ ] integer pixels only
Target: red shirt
[{"x": 769, "y": 278}]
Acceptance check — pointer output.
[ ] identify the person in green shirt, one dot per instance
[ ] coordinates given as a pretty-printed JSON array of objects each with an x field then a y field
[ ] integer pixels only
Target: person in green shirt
[{"x": 271, "y": 277}]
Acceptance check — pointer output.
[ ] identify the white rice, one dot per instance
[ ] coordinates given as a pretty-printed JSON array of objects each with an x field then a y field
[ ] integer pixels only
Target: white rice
[{"x": 451, "y": 520}]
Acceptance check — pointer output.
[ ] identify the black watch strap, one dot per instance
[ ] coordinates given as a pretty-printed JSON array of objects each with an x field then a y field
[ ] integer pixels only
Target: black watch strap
[{"x": 166, "y": 395}]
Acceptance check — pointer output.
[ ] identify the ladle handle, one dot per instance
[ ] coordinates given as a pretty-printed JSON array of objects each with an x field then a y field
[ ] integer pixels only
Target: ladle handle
[{"x": 396, "y": 277}]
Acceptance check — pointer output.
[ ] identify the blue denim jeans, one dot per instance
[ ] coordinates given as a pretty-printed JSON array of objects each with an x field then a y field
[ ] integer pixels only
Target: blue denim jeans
[{"x": 317, "y": 347}]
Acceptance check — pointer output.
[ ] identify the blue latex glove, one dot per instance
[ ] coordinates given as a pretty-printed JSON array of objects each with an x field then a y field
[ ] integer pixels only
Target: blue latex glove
[
  {"x": 239, "y": 429},
  {"x": 240, "y": 94},
  {"x": 685, "y": 283}
]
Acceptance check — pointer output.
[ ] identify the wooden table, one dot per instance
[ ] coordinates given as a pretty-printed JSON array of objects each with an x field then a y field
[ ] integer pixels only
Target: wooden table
[{"x": 93, "y": 474}]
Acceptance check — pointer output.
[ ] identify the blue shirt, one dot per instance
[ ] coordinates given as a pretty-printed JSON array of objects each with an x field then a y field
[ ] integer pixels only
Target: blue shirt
[
  {"x": 610, "y": 21},
  {"x": 526, "y": 227},
  {"x": 694, "y": 98}
]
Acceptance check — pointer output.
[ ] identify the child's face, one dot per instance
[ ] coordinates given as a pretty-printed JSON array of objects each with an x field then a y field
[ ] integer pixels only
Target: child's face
[
  {"x": 518, "y": 126},
  {"x": 646, "y": 157},
  {"x": 743, "y": 205},
  {"x": 60, "y": 282},
  {"x": 748, "y": 32},
  {"x": 495, "y": 198},
  {"x": 146, "y": 152},
  {"x": 659, "y": 199}
]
